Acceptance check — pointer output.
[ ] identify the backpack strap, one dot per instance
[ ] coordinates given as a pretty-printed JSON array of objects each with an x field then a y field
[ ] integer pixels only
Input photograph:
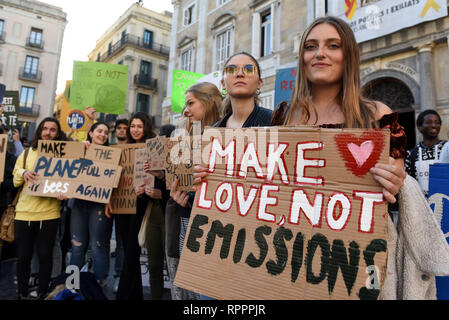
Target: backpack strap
[{"x": 16, "y": 198}]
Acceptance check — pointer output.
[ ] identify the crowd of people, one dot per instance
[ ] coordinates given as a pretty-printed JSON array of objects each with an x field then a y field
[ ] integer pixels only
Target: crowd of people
[{"x": 327, "y": 94}]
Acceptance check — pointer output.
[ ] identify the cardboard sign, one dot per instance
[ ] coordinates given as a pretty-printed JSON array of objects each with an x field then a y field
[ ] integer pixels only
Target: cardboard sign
[
  {"x": 140, "y": 176},
  {"x": 3, "y": 148},
  {"x": 182, "y": 80},
  {"x": 99, "y": 85},
  {"x": 71, "y": 119},
  {"x": 284, "y": 85},
  {"x": 10, "y": 103},
  {"x": 439, "y": 202},
  {"x": 285, "y": 213},
  {"x": 123, "y": 200},
  {"x": 155, "y": 153},
  {"x": 64, "y": 169},
  {"x": 182, "y": 153}
]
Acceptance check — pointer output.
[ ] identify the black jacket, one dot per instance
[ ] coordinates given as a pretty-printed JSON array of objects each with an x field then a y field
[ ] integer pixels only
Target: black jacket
[
  {"x": 7, "y": 189},
  {"x": 260, "y": 117}
]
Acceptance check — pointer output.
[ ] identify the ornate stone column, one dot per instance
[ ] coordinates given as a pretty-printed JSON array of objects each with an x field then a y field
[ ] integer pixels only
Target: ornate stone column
[{"x": 426, "y": 76}]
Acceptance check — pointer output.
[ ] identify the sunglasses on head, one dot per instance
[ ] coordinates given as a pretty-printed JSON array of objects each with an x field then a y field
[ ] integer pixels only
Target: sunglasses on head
[{"x": 247, "y": 69}]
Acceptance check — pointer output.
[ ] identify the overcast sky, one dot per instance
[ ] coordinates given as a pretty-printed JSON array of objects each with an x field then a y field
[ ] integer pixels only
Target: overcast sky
[{"x": 87, "y": 21}]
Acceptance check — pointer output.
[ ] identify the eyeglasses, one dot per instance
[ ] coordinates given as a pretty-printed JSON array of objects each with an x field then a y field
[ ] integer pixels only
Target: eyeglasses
[{"x": 247, "y": 69}]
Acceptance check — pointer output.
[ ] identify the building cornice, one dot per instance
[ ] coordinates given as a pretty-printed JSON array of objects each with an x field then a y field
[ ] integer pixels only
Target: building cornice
[{"x": 38, "y": 8}]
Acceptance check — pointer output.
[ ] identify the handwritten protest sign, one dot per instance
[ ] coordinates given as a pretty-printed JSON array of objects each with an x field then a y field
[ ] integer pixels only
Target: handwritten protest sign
[
  {"x": 75, "y": 120},
  {"x": 288, "y": 213},
  {"x": 3, "y": 148},
  {"x": 140, "y": 176},
  {"x": 439, "y": 202},
  {"x": 10, "y": 103},
  {"x": 182, "y": 80},
  {"x": 180, "y": 151},
  {"x": 284, "y": 85},
  {"x": 64, "y": 168},
  {"x": 99, "y": 85},
  {"x": 155, "y": 153},
  {"x": 123, "y": 200}
]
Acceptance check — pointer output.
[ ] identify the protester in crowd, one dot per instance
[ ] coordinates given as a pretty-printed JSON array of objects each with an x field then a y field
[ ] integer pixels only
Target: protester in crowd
[
  {"x": 121, "y": 126},
  {"x": 203, "y": 103},
  {"x": 242, "y": 80},
  {"x": 37, "y": 218},
  {"x": 155, "y": 228},
  {"x": 327, "y": 93},
  {"x": 130, "y": 286},
  {"x": 7, "y": 192},
  {"x": 88, "y": 222},
  {"x": 427, "y": 151}
]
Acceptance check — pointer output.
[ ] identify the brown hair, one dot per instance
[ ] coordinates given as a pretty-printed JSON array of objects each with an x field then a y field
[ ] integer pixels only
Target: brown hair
[
  {"x": 226, "y": 106},
  {"x": 210, "y": 97},
  {"x": 358, "y": 111}
]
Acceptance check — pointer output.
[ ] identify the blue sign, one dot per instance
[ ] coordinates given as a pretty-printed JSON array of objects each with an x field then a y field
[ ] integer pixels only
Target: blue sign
[
  {"x": 284, "y": 85},
  {"x": 76, "y": 119},
  {"x": 439, "y": 202}
]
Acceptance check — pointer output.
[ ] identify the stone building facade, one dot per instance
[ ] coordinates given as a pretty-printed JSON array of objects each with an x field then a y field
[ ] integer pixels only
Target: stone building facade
[
  {"x": 407, "y": 68},
  {"x": 31, "y": 36},
  {"x": 206, "y": 32},
  {"x": 140, "y": 39}
]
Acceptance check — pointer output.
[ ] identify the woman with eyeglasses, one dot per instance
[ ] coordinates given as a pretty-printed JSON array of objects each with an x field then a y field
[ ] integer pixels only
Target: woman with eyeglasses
[{"x": 242, "y": 80}]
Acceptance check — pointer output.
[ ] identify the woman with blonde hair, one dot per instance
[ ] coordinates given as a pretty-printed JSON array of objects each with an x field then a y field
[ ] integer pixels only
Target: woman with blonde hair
[{"x": 203, "y": 103}]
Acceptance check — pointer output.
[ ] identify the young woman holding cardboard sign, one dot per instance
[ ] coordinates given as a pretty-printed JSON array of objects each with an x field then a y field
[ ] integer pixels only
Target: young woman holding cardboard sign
[
  {"x": 130, "y": 287},
  {"x": 328, "y": 94},
  {"x": 88, "y": 222}
]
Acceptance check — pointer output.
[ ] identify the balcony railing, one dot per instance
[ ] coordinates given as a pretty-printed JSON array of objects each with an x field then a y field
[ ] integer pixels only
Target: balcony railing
[
  {"x": 30, "y": 76},
  {"x": 33, "y": 43},
  {"x": 143, "y": 80},
  {"x": 138, "y": 42},
  {"x": 30, "y": 111}
]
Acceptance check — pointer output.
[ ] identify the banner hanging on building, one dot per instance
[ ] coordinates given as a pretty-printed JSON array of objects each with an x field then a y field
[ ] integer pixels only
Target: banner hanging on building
[{"x": 387, "y": 16}]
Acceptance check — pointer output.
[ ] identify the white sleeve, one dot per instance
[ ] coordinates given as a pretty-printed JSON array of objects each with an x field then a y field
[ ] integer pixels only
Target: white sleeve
[{"x": 444, "y": 157}]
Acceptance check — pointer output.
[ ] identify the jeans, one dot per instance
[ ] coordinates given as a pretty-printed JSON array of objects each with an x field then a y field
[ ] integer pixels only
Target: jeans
[{"x": 89, "y": 225}]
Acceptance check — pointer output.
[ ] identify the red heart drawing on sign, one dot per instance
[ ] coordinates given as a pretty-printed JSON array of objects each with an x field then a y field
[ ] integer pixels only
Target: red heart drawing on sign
[{"x": 362, "y": 153}]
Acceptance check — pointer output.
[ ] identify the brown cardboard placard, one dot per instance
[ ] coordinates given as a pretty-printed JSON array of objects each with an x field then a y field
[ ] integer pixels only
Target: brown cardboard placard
[
  {"x": 155, "y": 153},
  {"x": 3, "y": 148},
  {"x": 140, "y": 176},
  {"x": 123, "y": 200},
  {"x": 288, "y": 213},
  {"x": 63, "y": 168},
  {"x": 182, "y": 152}
]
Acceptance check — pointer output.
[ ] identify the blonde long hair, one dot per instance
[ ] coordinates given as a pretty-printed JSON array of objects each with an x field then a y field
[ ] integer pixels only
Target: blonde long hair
[
  {"x": 358, "y": 111},
  {"x": 210, "y": 97}
]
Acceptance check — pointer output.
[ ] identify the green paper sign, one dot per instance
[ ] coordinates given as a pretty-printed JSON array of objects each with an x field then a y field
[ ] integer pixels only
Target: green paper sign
[
  {"x": 182, "y": 80},
  {"x": 99, "y": 85}
]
